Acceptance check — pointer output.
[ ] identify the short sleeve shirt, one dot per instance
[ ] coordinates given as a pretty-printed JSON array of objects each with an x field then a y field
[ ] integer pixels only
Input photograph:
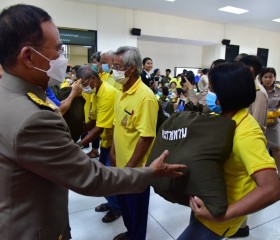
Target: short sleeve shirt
[
  {"x": 135, "y": 116},
  {"x": 249, "y": 155}
]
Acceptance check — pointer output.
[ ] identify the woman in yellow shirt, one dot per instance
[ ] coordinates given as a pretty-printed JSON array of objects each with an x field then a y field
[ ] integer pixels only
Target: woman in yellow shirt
[{"x": 250, "y": 173}]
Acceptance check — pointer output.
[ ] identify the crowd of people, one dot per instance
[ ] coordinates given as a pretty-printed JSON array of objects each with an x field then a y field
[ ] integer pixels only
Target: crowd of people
[{"x": 114, "y": 104}]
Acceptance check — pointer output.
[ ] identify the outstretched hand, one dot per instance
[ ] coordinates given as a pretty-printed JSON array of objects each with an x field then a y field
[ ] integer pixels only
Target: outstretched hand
[{"x": 162, "y": 169}]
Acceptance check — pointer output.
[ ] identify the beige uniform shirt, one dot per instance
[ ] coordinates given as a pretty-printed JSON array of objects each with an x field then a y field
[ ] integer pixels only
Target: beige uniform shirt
[{"x": 258, "y": 109}]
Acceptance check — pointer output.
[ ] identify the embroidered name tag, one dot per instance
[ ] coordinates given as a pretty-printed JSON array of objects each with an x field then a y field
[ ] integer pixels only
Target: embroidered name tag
[{"x": 175, "y": 134}]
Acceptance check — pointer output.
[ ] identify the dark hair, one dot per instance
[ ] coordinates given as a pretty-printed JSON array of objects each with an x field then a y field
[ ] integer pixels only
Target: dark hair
[
  {"x": 239, "y": 56},
  {"x": 155, "y": 71},
  {"x": 165, "y": 91},
  {"x": 167, "y": 70},
  {"x": 68, "y": 68},
  {"x": 234, "y": 85},
  {"x": 254, "y": 62},
  {"x": 183, "y": 81},
  {"x": 86, "y": 72},
  {"x": 96, "y": 56},
  {"x": 205, "y": 70},
  {"x": 145, "y": 60},
  {"x": 217, "y": 62},
  {"x": 20, "y": 26},
  {"x": 76, "y": 67},
  {"x": 179, "y": 91},
  {"x": 190, "y": 76},
  {"x": 267, "y": 70}
]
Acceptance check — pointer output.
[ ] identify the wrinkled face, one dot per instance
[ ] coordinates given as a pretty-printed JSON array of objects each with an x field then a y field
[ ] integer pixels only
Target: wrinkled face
[
  {"x": 268, "y": 79},
  {"x": 148, "y": 65}
]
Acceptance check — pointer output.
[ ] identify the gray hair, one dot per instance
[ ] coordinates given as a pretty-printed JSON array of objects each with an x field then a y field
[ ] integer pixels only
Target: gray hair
[
  {"x": 111, "y": 53},
  {"x": 86, "y": 72},
  {"x": 131, "y": 56}
]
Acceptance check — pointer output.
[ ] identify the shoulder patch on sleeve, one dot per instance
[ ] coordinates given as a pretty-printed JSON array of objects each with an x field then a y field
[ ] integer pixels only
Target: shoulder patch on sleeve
[{"x": 39, "y": 102}]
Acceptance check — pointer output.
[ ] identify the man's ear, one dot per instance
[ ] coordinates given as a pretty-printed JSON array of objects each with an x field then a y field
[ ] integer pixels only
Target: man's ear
[
  {"x": 26, "y": 57},
  {"x": 133, "y": 68}
]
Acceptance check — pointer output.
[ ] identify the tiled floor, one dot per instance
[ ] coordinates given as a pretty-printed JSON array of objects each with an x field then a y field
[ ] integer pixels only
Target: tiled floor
[{"x": 165, "y": 222}]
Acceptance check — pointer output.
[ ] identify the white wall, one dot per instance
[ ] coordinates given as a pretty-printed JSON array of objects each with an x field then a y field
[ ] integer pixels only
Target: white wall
[
  {"x": 249, "y": 39},
  {"x": 211, "y": 53},
  {"x": 166, "y": 55},
  {"x": 156, "y": 24},
  {"x": 113, "y": 25}
]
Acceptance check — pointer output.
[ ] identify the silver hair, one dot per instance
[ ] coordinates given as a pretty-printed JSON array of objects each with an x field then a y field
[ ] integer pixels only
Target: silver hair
[
  {"x": 131, "y": 56},
  {"x": 108, "y": 52}
]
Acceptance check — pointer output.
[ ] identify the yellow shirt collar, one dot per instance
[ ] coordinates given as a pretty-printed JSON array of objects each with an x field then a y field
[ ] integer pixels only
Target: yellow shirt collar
[
  {"x": 134, "y": 87},
  {"x": 100, "y": 90},
  {"x": 240, "y": 115}
]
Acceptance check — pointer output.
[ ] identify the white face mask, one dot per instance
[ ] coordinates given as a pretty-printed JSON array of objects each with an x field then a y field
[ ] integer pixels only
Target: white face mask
[
  {"x": 119, "y": 76},
  {"x": 57, "y": 68},
  {"x": 89, "y": 90}
]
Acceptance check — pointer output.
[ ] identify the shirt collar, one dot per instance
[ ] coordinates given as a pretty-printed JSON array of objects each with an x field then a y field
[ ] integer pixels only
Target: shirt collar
[
  {"x": 21, "y": 86},
  {"x": 240, "y": 115},
  {"x": 100, "y": 90},
  {"x": 134, "y": 87}
]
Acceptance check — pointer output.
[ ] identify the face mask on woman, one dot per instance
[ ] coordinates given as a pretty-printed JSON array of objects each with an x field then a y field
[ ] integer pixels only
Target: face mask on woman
[{"x": 211, "y": 99}]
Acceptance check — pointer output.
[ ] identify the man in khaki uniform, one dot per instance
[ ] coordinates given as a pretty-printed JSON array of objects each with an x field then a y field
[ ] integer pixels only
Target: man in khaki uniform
[{"x": 38, "y": 160}]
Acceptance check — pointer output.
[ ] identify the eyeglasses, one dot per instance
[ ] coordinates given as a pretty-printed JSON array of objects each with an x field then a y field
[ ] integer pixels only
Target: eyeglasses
[
  {"x": 85, "y": 83},
  {"x": 59, "y": 48},
  {"x": 118, "y": 67}
]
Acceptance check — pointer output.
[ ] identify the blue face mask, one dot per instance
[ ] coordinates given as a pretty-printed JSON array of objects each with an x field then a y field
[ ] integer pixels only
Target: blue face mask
[
  {"x": 106, "y": 68},
  {"x": 94, "y": 67},
  {"x": 211, "y": 99}
]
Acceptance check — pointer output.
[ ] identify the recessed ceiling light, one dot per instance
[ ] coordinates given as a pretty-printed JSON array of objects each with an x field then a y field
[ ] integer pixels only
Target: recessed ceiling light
[
  {"x": 170, "y": 0},
  {"x": 276, "y": 20},
  {"x": 234, "y": 10}
]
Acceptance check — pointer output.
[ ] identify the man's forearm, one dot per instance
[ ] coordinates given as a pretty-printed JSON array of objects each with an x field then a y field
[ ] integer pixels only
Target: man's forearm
[{"x": 140, "y": 150}]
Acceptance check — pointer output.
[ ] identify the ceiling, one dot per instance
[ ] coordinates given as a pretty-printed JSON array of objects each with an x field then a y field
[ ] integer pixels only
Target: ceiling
[{"x": 260, "y": 15}]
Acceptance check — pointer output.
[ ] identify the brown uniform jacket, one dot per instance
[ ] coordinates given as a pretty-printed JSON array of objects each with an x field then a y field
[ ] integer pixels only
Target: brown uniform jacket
[{"x": 39, "y": 163}]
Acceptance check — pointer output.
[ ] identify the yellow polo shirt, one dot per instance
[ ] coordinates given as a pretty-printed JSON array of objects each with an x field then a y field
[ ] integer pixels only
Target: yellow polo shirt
[
  {"x": 135, "y": 116},
  {"x": 108, "y": 78},
  {"x": 249, "y": 155},
  {"x": 90, "y": 105},
  {"x": 104, "y": 102}
]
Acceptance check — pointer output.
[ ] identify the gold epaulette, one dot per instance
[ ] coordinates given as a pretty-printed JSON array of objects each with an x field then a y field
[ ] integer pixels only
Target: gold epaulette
[{"x": 39, "y": 102}]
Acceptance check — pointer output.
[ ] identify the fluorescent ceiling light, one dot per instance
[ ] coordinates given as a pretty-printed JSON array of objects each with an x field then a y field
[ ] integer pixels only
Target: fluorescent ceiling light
[
  {"x": 276, "y": 20},
  {"x": 170, "y": 0},
  {"x": 234, "y": 10}
]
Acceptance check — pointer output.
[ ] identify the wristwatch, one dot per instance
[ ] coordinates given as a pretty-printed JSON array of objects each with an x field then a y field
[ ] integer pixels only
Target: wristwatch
[{"x": 80, "y": 145}]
